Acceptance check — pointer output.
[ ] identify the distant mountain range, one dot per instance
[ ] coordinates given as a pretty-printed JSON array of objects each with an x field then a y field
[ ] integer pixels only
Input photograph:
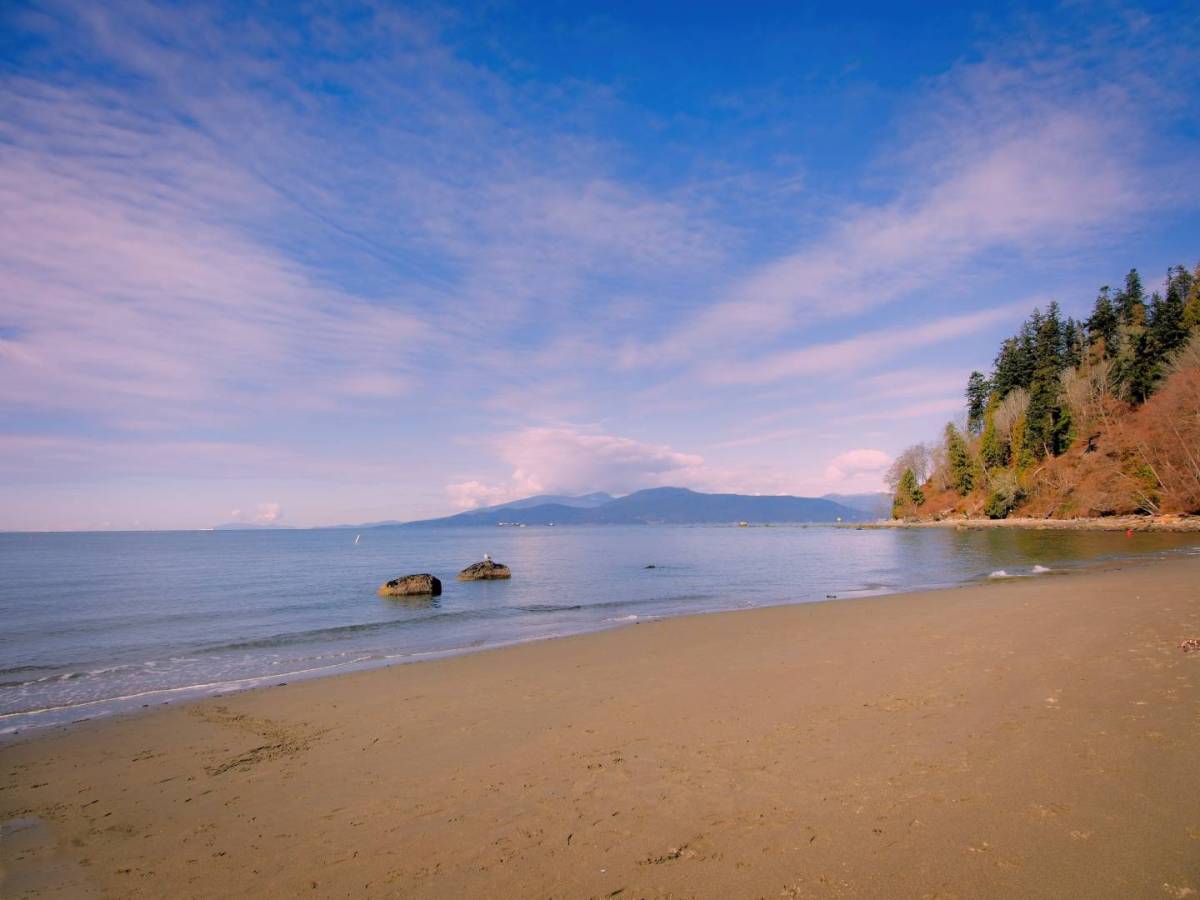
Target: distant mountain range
[
  {"x": 583, "y": 501},
  {"x": 655, "y": 506},
  {"x": 251, "y": 526},
  {"x": 878, "y": 504},
  {"x": 668, "y": 505}
]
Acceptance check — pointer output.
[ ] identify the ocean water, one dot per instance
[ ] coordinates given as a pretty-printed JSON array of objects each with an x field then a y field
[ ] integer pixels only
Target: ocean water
[{"x": 97, "y": 623}]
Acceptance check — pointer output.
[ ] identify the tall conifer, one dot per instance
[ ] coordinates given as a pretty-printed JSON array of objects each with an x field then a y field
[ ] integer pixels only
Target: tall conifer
[
  {"x": 977, "y": 395},
  {"x": 1132, "y": 300},
  {"x": 962, "y": 468},
  {"x": 1104, "y": 323}
]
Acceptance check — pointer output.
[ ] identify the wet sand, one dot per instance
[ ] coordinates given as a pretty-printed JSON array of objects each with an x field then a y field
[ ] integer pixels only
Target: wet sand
[
  {"x": 1168, "y": 523},
  {"x": 1032, "y": 738}
]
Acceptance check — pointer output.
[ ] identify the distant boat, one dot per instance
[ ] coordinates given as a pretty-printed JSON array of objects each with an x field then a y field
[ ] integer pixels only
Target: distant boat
[
  {"x": 357, "y": 539},
  {"x": 743, "y": 524}
]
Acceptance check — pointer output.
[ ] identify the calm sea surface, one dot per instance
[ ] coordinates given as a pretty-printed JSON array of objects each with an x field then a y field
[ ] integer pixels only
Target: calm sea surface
[{"x": 96, "y": 623}]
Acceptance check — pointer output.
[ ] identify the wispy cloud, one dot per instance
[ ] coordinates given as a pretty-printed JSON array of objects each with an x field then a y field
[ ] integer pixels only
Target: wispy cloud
[
  {"x": 859, "y": 352},
  {"x": 200, "y": 248},
  {"x": 131, "y": 301},
  {"x": 949, "y": 407},
  {"x": 1029, "y": 151},
  {"x": 914, "y": 382}
]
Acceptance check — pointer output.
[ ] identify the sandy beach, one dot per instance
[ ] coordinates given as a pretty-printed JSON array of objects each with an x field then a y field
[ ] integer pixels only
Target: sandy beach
[
  {"x": 1028, "y": 738},
  {"x": 1107, "y": 523}
]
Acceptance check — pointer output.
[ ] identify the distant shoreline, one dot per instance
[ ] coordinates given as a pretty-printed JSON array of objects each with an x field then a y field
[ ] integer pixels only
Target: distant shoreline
[{"x": 1107, "y": 523}]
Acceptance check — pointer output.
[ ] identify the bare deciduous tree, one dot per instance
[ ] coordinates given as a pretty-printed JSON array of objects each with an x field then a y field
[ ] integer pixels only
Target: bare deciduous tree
[
  {"x": 939, "y": 465},
  {"x": 1011, "y": 408},
  {"x": 916, "y": 458},
  {"x": 1086, "y": 390}
]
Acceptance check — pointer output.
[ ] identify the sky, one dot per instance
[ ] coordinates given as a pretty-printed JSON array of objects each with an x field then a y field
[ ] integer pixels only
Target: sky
[{"x": 313, "y": 264}]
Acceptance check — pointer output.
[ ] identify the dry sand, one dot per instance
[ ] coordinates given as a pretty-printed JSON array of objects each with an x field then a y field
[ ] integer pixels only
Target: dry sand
[{"x": 1026, "y": 739}]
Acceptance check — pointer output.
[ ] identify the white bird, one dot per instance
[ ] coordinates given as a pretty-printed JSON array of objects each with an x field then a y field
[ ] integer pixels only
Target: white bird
[{"x": 487, "y": 558}]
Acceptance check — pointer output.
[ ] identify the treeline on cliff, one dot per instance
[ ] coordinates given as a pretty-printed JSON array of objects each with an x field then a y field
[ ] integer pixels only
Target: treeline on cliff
[{"x": 1077, "y": 418}]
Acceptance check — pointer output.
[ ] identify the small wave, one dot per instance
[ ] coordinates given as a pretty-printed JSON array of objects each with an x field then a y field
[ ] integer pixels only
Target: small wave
[
  {"x": 344, "y": 632},
  {"x": 632, "y": 617},
  {"x": 59, "y": 676},
  {"x": 336, "y": 632},
  {"x": 999, "y": 573},
  {"x": 18, "y": 670},
  {"x": 1041, "y": 570},
  {"x": 212, "y": 687}
]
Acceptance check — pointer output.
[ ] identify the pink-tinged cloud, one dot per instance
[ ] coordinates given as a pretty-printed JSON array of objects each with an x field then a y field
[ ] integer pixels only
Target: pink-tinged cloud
[
  {"x": 129, "y": 301},
  {"x": 269, "y": 512},
  {"x": 473, "y": 493},
  {"x": 570, "y": 460},
  {"x": 858, "y": 467}
]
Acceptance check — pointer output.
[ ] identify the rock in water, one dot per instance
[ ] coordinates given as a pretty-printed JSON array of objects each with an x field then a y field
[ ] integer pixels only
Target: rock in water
[
  {"x": 411, "y": 586},
  {"x": 484, "y": 571}
]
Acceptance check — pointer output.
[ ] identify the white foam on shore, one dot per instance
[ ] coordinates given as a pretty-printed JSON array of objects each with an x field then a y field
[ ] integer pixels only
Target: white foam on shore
[
  {"x": 1004, "y": 573},
  {"x": 212, "y": 687}
]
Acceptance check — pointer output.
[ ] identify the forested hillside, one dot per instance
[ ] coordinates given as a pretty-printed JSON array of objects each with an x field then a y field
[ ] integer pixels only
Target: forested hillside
[{"x": 1092, "y": 418}]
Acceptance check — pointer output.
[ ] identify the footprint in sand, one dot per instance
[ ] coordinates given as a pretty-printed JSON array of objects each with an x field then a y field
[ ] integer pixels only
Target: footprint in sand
[{"x": 281, "y": 741}]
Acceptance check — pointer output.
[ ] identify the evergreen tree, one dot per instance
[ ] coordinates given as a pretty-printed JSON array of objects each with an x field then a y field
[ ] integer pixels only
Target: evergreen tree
[
  {"x": 1165, "y": 321},
  {"x": 1131, "y": 301},
  {"x": 1019, "y": 451},
  {"x": 1181, "y": 280},
  {"x": 908, "y": 495},
  {"x": 1166, "y": 330},
  {"x": 1006, "y": 370},
  {"x": 1191, "y": 302},
  {"x": 1103, "y": 324},
  {"x": 1047, "y": 422},
  {"x": 977, "y": 395},
  {"x": 962, "y": 468},
  {"x": 993, "y": 446},
  {"x": 1140, "y": 371},
  {"x": 1072, "y": 344},
  {"x": 1051, "y": 343},
  {"x": 1027, "y": 349}
]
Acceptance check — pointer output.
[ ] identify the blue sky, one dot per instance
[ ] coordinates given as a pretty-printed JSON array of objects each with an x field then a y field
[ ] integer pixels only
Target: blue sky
[{"x": 389, "y": 261}]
